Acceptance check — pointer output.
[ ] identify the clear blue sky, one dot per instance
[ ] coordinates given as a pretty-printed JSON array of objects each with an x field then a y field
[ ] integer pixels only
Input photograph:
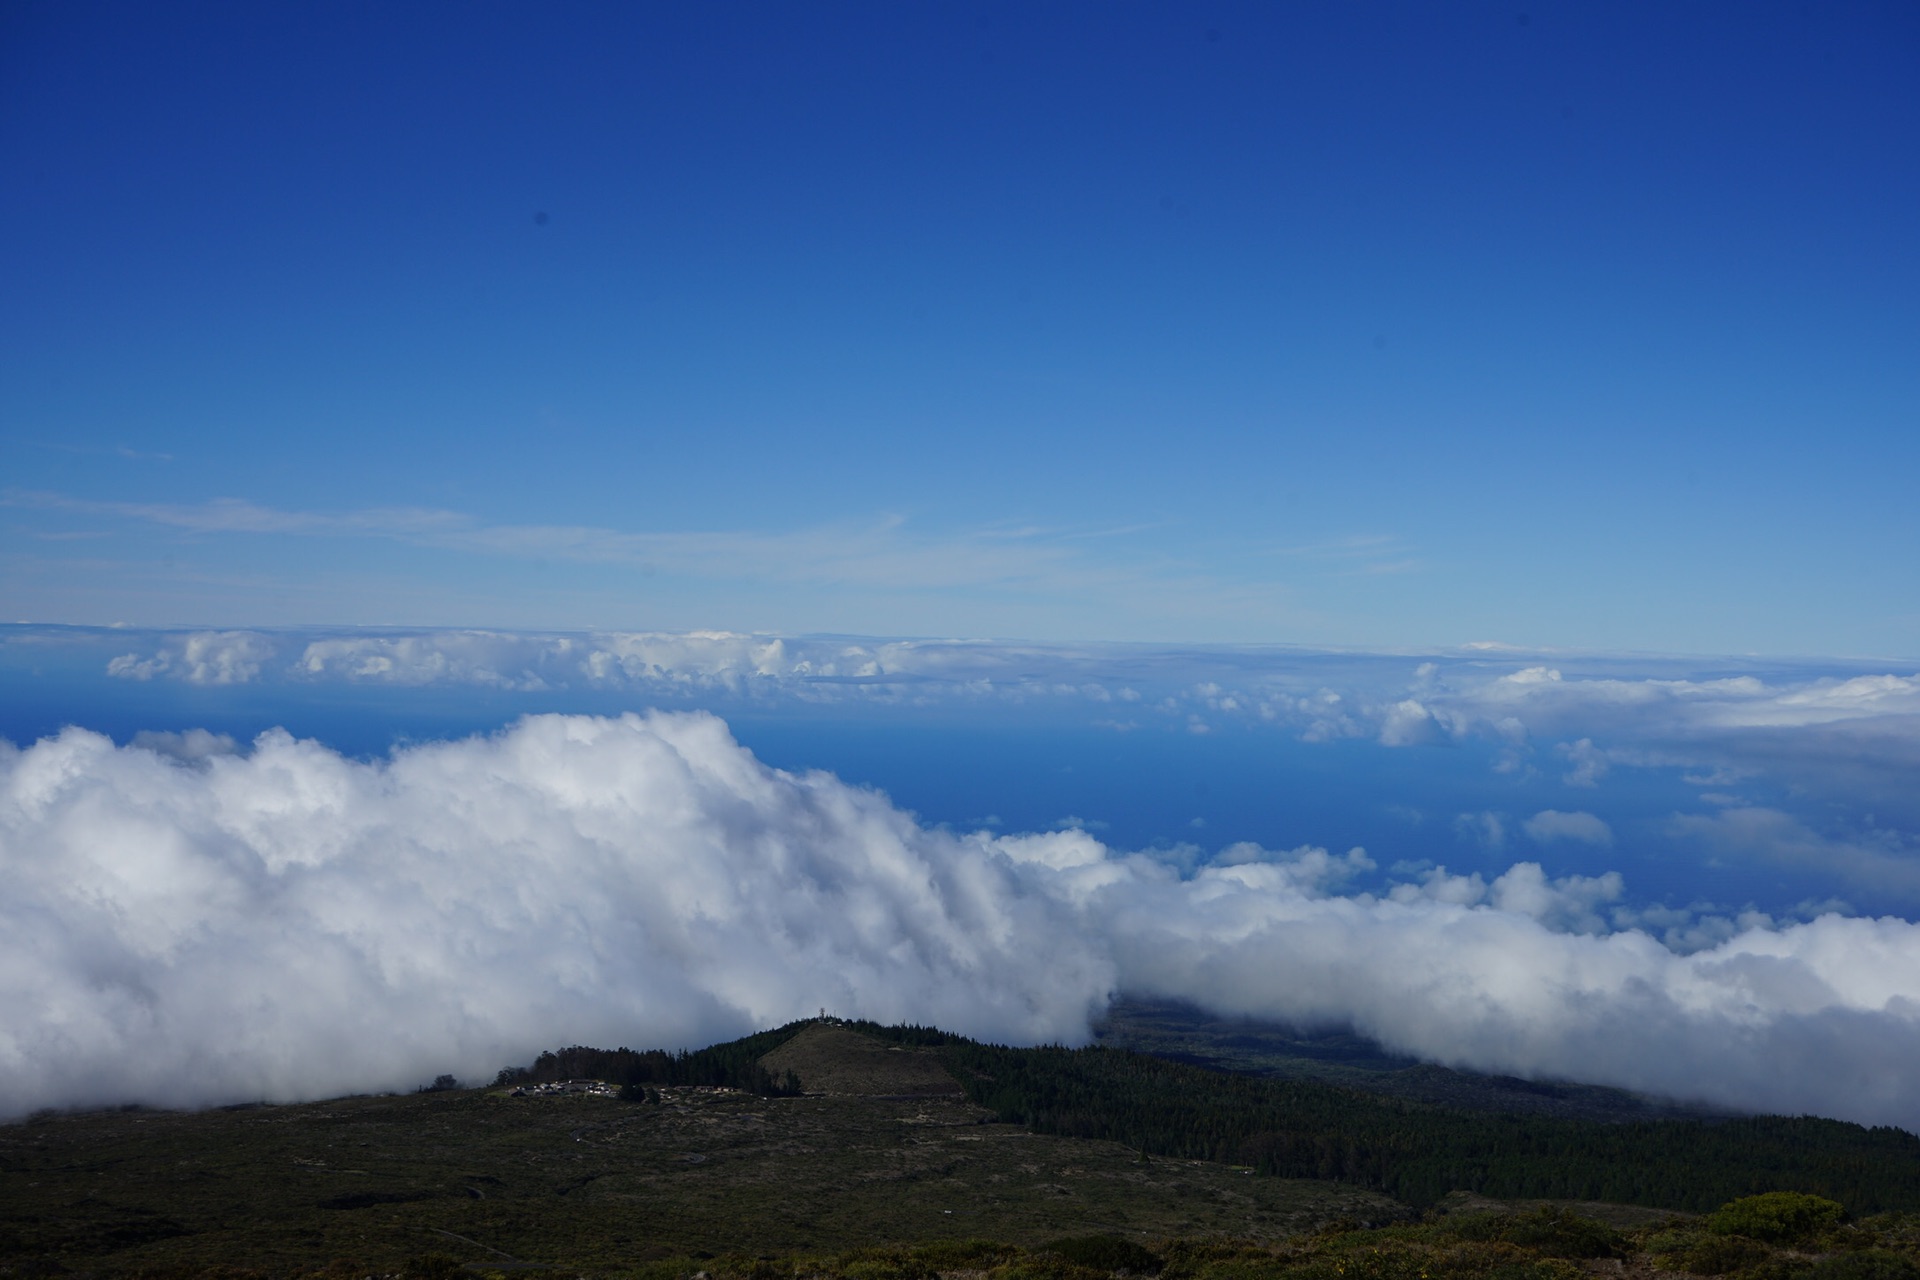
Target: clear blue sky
[{"x": 1587, "y": 325}]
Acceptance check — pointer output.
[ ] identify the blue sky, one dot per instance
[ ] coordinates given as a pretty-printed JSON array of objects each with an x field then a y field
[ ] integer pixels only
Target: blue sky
[{"x": 1341, "y": 324}]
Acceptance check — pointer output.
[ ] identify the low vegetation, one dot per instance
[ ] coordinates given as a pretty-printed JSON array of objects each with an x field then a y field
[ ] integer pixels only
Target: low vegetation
[
  {"x": 1488, "y": 1242},
  {"x": 1037, "y": 1164}
]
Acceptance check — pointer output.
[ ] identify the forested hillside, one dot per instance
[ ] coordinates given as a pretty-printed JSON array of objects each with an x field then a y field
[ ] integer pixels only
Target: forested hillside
[{"x": 1418, "y": 1152}]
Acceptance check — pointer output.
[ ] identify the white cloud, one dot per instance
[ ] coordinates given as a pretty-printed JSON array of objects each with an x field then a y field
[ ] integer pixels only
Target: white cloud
[
  {"x": 1551, "y": 824},
  {"x": 292, "y": 923},
  {"x": 1589, "y": 763},
  {"x": 809, "y": 668},
  {"x": 1409, "y": 723},
  {"x": 203, "y": 657},
  {"x": 1309, "y": 868},
  {"x": 288, "y": 923},
  {"x": 1819, "y": 1017},
  {"x": 489, "y": 659},
  {"x": 1547, "y": 701}
]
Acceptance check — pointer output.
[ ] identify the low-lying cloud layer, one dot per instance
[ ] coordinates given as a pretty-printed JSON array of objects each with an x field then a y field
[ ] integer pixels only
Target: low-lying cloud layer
[{"x": 186, "y": 923}]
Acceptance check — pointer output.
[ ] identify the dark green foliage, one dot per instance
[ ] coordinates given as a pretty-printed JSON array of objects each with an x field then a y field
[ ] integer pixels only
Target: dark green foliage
[
  {"x": 1715, "y": 1255},
  {"x": 892, "y": 1264},
  {"x": 1551, "y": 1231},
  {"x": 1416, "y": 1152},
  {"x": 1868, "y": 1264},
  {"x": 912, "y": 1035},
  {"x": 1781, "y": 1217},
  {"x": 1108, "y": 1253},
  {"x": 734, "y": 1065}
]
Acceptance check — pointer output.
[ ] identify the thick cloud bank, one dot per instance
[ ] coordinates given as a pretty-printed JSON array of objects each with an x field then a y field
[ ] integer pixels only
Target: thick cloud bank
[
  {"x": 182, "y": 923},
  {"x": 291, "y": 923}
]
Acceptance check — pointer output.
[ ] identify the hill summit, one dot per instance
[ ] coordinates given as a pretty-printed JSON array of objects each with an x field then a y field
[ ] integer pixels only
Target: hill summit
[{"x": 832, "y": 1059}]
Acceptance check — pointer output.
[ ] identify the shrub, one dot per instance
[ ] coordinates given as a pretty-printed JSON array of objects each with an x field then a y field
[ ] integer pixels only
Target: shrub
[
  {"x": 1719, "y": 1255},
  {"x": 1781, "y": 1217},
  {"x": 888, "y": 1264},
  {"x": 1550, "y": 1230},
  {"x": 1108, "y": 1253},
  {"x": 1187, "y": 1258}
]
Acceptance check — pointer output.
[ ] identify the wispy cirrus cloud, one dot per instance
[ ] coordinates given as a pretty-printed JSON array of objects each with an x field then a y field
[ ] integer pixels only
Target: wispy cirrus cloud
[
  {"x": 1368, "y": 553},
  {"x": 884, "y": 552},
  {"x": 237, "y": 515}
]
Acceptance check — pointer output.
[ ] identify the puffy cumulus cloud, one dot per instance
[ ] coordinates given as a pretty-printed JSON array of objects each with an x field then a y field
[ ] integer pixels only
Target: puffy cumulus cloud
[
  {"x": 292, "y": 923},
  {"x": 694, "y": 662},
  {"x": 202, "y": 657},
  {"x": 1569, "y": 904},
  {"x": 184, "y": 924},
  {"x": 1551, "y": 824},
  {"x": 490, "y": 659},
  {"x": 1309, "y": 868},
  {"x": 1409, "y": 723},
  {"x": 1588, "y": 763}
]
